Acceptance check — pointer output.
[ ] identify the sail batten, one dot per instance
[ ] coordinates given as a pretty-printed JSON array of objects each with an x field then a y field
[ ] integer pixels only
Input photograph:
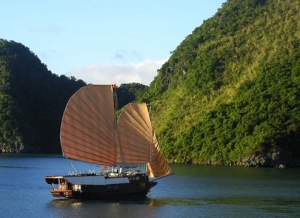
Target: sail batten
[
  {"x": 91, "y": 133},
  {"x": 75, "y": 143}
]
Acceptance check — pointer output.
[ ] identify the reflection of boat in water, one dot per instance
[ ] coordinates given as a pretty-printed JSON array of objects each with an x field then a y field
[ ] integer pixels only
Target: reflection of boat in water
[{"x": 90, "y": 133}]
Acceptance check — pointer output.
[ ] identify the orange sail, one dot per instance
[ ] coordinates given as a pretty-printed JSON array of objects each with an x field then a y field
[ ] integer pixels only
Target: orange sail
[
  {"x": 135, "y": 134},
  {"x": 88, "y": 130},
  {"x": 138, "y": 143},
  {"x": 158, "y": 166}
]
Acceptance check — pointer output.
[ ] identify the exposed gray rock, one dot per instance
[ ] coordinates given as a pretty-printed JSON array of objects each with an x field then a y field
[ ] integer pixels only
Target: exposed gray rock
[{"x": 274, "y": 157}]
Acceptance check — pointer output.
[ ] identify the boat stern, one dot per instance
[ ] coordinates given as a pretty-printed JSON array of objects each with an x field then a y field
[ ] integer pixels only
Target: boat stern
[{"x": 59, "y": 186}]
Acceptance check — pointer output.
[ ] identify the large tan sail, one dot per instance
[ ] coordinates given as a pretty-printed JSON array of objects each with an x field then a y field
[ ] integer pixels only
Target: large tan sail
[{"x": 88, "y": 130}]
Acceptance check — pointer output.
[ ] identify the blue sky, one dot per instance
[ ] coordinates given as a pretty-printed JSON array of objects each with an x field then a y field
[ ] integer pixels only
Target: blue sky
[{"x": 104, "y": 42}]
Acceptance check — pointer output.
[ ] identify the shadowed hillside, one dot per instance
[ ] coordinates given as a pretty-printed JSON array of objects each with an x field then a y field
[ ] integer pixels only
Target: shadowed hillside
[{"x": 32, "y": 100}]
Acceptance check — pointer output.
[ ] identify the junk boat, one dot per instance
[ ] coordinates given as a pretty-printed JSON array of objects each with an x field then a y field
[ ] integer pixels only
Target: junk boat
[{"x": 91, "y": 133}]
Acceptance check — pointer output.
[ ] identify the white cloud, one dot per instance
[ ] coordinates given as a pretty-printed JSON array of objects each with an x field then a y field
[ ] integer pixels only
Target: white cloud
[{"x": 142, "y": 72}]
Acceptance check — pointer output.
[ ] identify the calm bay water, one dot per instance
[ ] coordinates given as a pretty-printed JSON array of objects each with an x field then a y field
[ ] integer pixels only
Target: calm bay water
[{"x": 193, "y": 191}]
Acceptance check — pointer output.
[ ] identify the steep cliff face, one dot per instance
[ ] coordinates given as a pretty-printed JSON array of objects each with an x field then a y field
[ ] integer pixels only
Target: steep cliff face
[
  {"x": 231, "y": 88},
  {"x": 32, "y": 100}
]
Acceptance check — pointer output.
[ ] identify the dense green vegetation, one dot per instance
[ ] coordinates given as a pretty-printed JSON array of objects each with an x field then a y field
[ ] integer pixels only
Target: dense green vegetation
[
  {"x": 32, "y": 100},
  {"x": 130, "y": 92},
  {"x": 231, "y": 88}
]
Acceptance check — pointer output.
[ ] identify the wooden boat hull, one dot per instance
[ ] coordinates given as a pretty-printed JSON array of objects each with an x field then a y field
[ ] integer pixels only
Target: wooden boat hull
[{"x": 100, "y": 187}]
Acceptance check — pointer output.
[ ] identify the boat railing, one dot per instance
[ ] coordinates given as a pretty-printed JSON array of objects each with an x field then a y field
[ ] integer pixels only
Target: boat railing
[{"x": 108, "y": 174}]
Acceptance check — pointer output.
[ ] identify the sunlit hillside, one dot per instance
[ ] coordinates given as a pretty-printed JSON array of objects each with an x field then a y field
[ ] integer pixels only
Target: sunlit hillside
[{"x": 231, "y": 89}]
